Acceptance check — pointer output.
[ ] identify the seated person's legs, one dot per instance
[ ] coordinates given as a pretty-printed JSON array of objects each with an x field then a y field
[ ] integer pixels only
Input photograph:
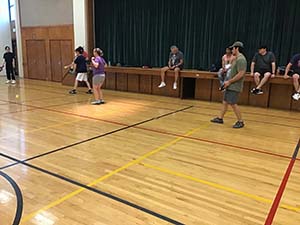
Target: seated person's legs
[
  {"x": 163, "y": 74},
  {"x": 221, "y": 77},
  {"x": 176, "y": 71}
]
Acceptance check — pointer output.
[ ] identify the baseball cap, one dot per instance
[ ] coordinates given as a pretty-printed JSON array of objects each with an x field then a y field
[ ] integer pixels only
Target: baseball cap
[{"x": 237, "y": 44}]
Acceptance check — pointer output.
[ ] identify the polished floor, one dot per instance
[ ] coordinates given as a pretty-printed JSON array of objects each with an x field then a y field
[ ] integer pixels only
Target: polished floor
[{"x": 142, "y": 159}]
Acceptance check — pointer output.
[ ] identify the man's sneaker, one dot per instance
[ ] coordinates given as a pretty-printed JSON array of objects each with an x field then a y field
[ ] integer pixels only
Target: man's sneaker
[
  {"x": 217, "y": 120},
  {"x": 73, "y": 92},
  {"x": 89, "y": 92},
  {"x": 239, "y": 124},
  {"x": 296, "y": 96},
  {"x": 259, "y": 92},
  {"x": 102, "y": 101},
  {"x": 13, "y": 81},
  {"x": 97, "y": 102},
  {"x": 8, "y": 82},
  {"x": 162, "y": 84},
  {"x": 254, "y": 91},
  {"x": 175, "y": 86}
]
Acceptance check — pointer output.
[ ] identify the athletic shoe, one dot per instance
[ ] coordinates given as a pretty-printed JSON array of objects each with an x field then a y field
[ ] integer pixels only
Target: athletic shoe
[
  {"x": 296, "y": 96},
  {"x": 162, "y": 84},
  {"x": 217, "y": 120},
  {"x": 239, "y": 124},
  {"x": 89, "y": 92},
  {"x": 175, "y": 86},
  {"x": 73, "y": 92},
  {"x": 8, "y": 82},
  {"x": 13, "y": 81},
  {"x": 259, "y": 92},
  {"x": 222, "y": 88},
  {"x": 97, "y": 102},
  {"x": 102, "y": 101}
]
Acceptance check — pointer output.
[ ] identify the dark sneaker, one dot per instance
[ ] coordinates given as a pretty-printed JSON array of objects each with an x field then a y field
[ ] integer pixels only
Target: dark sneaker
[
  {"x": 259, "y": 92},
  {"x": 89, "y": 92},
  {"x": 239, "y": 124},
  {"x": 73, "y": 92},
  {"x": 254, "y": 91},
  {"x": 217, "y": 120},
  {"x": 102, "y": 101}
]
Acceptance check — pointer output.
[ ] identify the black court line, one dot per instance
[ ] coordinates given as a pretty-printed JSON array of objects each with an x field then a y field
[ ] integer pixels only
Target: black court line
[
  {"x": 99, "y": 136},
  {"x": 102, "y": 193},
  {"x": 18, "y": 193}
]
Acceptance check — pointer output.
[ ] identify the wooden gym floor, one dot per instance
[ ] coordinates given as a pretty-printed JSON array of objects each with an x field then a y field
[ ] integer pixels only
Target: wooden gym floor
[{"x": 142, "y": 159}]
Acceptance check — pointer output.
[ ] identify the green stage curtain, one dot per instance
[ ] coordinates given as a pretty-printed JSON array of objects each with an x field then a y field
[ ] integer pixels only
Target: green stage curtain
[{"x": 140, "y": 32}]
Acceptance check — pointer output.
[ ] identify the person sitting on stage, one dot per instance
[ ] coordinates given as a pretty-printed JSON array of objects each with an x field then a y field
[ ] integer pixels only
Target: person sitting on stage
[
  {"x": 175, "y": 63},
  {"x": 263, "y": 67},
  {"x": 293, "y": 70},
  {"x": 224, "y": 72}
]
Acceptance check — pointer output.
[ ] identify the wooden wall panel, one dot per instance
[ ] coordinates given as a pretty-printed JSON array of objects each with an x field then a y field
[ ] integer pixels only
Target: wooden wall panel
[
  {"x": 55, "y": 60},
  {"x": 122, "y": 82},
  {"x": 46, "y": 34},
  {"x": 36, "y": 56},
  {"x": 110, "y": 81},
  {"x": 203, "y": 89},
  {"x": 146, "y": 84},
  {"x": 216, "y": 95},
  {"x": 260, "y": 100},
  {"x": 280, "y": 96},
  {"x": 244, "y": 96},
  {"x": 133, "y": 82},
  {"x": 166, "y": 91}
]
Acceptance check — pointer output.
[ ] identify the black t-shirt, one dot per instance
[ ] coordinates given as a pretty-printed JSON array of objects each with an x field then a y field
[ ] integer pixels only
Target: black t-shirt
[
  {"x": 9, "y": 57},
  {"x": 80, "y": 62},
  {"x": 263, "y": 62},
  {"x": 295, "y": 61},
  {"x": 175, "y": 58}
]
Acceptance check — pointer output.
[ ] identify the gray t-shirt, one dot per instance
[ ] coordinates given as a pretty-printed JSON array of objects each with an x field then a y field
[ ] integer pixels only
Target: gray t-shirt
[
  {"x": 240, "y": 64},
  {"x": 175, "y": 58},
  {"x": 263, "y": 62}
]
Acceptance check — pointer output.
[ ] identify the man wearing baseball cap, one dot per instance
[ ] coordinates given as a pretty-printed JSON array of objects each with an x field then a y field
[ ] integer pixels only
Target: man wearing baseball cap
[{"x": 234, "y": 86}]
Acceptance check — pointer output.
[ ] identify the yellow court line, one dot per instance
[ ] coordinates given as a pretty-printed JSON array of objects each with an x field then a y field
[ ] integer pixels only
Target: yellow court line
[
  {"x": 133, "y": 162},
  {"x": 218, "y": 186}
]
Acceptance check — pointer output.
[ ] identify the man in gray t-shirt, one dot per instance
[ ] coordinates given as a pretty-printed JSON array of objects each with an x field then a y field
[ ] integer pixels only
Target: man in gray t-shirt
[
  {"x": 262, "y": 68},
  {"x": 175, "y": 63}
]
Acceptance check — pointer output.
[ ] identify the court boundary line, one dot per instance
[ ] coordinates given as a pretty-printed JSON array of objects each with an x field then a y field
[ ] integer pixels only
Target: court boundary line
[
  {"x": 97, "y": 136},
  {"x": 129, "y": 164},
  {"x": 217, "y": 186},
  {"x": 166, "y": 133},
  {"x": 282, "y": 187}
]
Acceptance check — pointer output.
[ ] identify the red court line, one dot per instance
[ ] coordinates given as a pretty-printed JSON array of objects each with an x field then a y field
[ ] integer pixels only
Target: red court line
[
  {"x": 166, "y": 133},
  {"x": 282, "y": 187}
]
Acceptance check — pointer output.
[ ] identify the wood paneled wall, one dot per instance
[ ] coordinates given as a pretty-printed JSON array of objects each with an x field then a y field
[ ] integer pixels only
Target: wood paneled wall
[{"x": 37, "y": 50}]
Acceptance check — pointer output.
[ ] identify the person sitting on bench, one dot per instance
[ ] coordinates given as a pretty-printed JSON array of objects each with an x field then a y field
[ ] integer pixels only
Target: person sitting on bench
[
  {"x": 293, "y": 71},
  {"x": 263, "y": 67},
  {"x": 175, "y": 63}
]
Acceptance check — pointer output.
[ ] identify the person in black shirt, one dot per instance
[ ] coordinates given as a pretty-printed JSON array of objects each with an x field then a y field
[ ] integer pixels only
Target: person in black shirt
[
  {"x": 9, "y": 63},
  {"x": 263, "y": 67},
  {"x": 175, "y": 63},
  {"x": 293, "y": 70},
  {"x": 80, "y": 67}
]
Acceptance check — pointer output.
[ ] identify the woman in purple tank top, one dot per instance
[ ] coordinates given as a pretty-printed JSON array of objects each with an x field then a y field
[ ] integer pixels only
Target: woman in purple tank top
[{"x": 98, "y": 64}]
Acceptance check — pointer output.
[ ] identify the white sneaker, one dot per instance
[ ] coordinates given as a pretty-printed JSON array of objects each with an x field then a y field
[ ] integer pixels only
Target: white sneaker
[
  {"x": 162, "y": 84},
  {"x": 7, "y": 82},
  {"x": 296, "y": 96},
  {"x": 175, "y": 86},
  {"x": 13, "y": 81}
]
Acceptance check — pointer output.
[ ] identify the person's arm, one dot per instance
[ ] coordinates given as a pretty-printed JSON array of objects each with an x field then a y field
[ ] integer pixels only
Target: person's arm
[
  {"x": 287, "y": 69},
  {"x": 3, "y": 62},
  {"x": 180, "y": 63},
  {"x": 95, "y": 64},
  {"x": 273, "y": 69},
  {"x": 252, "y": 68},
  {"x": 223, "y": 63}
]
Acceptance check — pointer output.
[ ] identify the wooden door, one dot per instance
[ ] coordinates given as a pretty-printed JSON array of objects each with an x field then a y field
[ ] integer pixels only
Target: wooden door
[
  {"x": 55, "y": 59},
  {"x": 67, "y": 53},
  {"x": 36, "y": 59}
]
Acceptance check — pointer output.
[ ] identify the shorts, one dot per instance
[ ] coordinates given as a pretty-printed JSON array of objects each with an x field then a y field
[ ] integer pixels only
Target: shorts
[
  {"x": 82, "y": 77},
  {"x": 180, "y": 67},
  {"x": 98, "y": 79},
  {"x": 291, "y": 73},
  {"x": 231, "y": 97},
  {"x": 262, "y": 72}
]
